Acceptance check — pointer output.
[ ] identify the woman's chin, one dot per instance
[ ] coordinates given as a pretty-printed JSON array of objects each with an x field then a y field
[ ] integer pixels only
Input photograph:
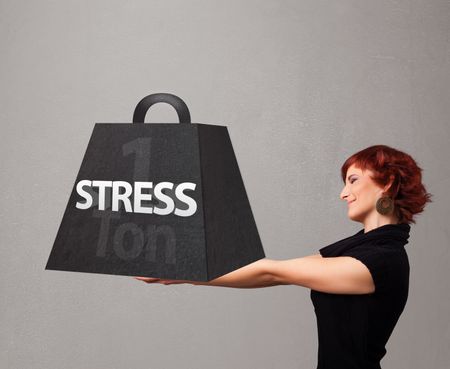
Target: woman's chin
[{"x": 353, "y": 217}]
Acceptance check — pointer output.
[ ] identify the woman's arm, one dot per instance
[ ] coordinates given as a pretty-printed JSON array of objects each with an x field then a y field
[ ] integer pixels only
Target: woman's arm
[
  {"x": 254, "y": 275},
  {"x": 341, "y": 275}
]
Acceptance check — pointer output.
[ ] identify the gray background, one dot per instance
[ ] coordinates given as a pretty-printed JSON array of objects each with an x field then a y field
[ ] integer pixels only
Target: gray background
[{"x": 301, "y": 86}]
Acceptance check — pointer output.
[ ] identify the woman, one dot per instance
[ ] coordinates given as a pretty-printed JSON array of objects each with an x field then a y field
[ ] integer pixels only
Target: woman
[{"x": 359, "y": 285}]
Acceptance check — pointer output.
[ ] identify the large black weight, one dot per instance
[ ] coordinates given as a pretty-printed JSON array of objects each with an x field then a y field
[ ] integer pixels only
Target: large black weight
[{"x": 159, "y": 200}]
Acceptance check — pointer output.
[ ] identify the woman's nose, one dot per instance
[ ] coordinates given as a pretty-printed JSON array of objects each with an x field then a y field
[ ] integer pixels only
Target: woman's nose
[{"x": 343, "y": 194}]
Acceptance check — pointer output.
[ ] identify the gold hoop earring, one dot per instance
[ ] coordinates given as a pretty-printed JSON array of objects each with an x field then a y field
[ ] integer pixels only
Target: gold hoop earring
[{"x": 385, "y": 205}]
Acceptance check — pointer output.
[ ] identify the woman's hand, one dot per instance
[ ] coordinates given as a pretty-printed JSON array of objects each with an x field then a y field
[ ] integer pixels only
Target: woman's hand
[{"x": 159, "y": 280}]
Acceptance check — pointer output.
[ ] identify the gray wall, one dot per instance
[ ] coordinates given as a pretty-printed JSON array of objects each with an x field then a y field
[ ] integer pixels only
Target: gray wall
[{"x": 301, "y": 85}]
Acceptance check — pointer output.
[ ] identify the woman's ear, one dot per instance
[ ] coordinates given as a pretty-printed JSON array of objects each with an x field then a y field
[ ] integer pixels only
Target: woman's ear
[{"x": 391, "y": 181}]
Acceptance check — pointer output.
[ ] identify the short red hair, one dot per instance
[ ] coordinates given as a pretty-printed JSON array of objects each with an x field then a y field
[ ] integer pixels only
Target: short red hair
[{"x": 387, "y": 163}]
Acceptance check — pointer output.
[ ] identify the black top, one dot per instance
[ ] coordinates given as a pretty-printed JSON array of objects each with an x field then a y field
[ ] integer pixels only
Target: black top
[{"x": 354, "y": 329}]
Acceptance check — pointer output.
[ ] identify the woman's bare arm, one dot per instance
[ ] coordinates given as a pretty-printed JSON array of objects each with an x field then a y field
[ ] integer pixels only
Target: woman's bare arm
[
  {"x": 342, "y": 275},
  {"x": 254, "y": 275}
]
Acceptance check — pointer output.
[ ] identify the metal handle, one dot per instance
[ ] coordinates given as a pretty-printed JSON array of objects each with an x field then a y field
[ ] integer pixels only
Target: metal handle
[{"x": 180, "y": 106}]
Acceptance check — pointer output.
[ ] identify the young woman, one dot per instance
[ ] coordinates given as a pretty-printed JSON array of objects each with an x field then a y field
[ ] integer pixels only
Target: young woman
[{"x": 359, "y": 285}]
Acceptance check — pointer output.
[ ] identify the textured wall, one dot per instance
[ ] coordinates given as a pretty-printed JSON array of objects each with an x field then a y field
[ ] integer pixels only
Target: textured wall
[{"x": 301, "y": 85}]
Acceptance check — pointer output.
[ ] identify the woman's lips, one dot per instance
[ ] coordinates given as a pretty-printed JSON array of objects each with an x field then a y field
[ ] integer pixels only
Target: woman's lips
[{"x": 351, "y": 202}]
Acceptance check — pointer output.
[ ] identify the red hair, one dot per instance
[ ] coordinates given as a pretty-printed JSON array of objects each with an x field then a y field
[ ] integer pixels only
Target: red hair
[{"x": 389, "y": 164}]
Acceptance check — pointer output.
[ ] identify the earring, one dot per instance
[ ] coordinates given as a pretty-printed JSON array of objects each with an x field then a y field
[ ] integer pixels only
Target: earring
[{"x": 385, "y": 205}]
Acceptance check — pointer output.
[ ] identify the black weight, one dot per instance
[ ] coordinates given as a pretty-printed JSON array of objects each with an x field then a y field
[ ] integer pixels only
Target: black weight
[{"x": 217, "y": 238}]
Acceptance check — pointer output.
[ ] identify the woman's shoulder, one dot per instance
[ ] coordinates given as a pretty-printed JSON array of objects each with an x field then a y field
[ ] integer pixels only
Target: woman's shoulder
[
  {"x": 382, "y": 254},
  {"x": 387, "y": 262}
]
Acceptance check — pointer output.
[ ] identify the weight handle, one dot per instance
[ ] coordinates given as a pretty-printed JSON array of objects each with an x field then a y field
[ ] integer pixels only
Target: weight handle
[{"x": 179, "y": 105}]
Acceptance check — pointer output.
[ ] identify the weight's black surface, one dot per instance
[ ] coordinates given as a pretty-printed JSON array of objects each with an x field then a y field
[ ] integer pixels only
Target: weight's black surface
[{"x": 219, "y": 237}]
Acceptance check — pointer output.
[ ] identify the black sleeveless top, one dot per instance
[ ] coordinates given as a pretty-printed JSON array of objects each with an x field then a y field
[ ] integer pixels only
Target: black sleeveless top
[{"x": 353, "y": 329}]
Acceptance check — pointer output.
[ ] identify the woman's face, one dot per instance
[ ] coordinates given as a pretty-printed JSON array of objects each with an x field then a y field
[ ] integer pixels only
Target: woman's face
[{"x": 361, "y": 194}]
